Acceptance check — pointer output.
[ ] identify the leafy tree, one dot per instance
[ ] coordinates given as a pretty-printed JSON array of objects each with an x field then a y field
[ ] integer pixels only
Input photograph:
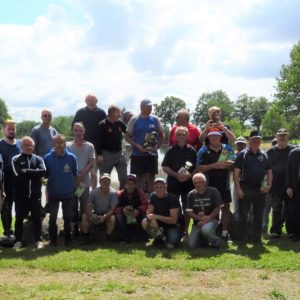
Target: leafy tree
[
  {"x": 3, "y": 112},
  {"x": 242, "y": 110},
  {"x": 259, "y": 108},
  {"x": 25, "y": 127},
  {"x": 168, "y": 108},
  {"x": 63, "y": 125},
  {"x": 273, "y": 120},
  {"x": 217, "y": 98},
  {"x": 288, "y": 84}
]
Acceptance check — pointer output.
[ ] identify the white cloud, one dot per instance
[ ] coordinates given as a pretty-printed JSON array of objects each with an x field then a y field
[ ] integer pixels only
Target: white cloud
[{"x": 124, "y": 51}]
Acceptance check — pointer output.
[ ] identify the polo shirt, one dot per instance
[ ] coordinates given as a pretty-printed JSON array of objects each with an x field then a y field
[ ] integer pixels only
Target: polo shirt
[
  {"x": 253, "y": 166},
  {"x": 218, "y": 178}
]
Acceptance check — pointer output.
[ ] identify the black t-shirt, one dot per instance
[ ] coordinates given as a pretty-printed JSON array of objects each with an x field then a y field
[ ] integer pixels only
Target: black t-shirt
[
  {"x": 205, "y": 202},
  {"x": 253, "y": 166},
  {"x": 278, "y": 160},
  {"x": 176, "y": 158},
  {"x": 109, "y": 136},
  {"x": 162, "y": 206}
]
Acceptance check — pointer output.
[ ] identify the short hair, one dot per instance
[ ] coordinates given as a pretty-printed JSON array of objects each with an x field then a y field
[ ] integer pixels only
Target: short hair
[
  {"x": 185, "y": 112},
  {"x": 27, "y": 138},
  {"x": 201, "y": 175},
  {"x": 112, "y": 109},
  {"x": 9, "y": 122},
  {"x": 91, "y": 96},
  {"x": 59, "y": 137},
  {"x": 78, "y": 124}
]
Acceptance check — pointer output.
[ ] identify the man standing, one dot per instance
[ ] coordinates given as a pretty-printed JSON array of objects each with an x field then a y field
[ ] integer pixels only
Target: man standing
[
  {"x": 179, "y": 163},
  {"x": 90, "y": 116},
  {"x": 278, "y": 159},
  {"x": 101, "y": 206},
  {"x": 85, "y": 158},
  {"x": 164, "y": 216},
  {"x": 253, "y": 179},
  {"x": 109, "y": 144},
  {"x": 293, "y": 191},
  {"x": 203, "y": 206},
  {"x": 145, "y": 134},
  {"x": 29, "y": 170},
  {"x": 214, "y": 160},
  {"x": 9, "y": 147},
  {"x": 43, "y": 134},
  {"x": 61, "y": 171}
]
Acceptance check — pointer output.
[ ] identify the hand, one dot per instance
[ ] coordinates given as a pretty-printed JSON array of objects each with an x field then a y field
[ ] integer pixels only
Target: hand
[
  {"x": 240, "y": 193},
  {"x": 23, "y": 170},
  {"x": 204, "y": 219},
  {"x": 290, "y": 192},
  {"x": 102, "y": 218},
  {"x": 151, "y": 217},
  {"x": 265, "y": 189},
  {"x": 140, "y": 148},
  {"x": 182, "y": 177},
  {"x": 219, "y": 165},
  {"x": 100, "y": 159}
]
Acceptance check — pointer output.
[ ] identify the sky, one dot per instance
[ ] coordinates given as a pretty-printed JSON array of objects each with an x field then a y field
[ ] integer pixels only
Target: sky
[{"x": 54, "y": 53}]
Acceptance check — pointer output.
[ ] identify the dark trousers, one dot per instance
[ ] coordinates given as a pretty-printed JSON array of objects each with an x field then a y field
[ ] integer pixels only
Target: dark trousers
[
  {"x": 252, "y": 195},
  {"x": 294, "y": 214},
  {"x": 22, "y": 207},
  {"x": 130, "y": 231},
  {"x": 281, "y": 213},
  {"x": 67, "y": 209},
  {"x": 79, "y": 206},
  {"x": 6, "y": 213}
]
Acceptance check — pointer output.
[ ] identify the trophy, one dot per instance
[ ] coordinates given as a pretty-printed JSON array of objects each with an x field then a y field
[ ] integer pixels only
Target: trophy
[
  {"x": 129, "y": 218},
  {"x": 151, "y": 140},
  {"x": 186, "y": 168},
  {"x": 215, "y": 119}
]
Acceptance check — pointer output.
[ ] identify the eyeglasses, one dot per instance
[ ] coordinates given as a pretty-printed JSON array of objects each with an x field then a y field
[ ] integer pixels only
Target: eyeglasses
[{"x": 47, "y": 116}]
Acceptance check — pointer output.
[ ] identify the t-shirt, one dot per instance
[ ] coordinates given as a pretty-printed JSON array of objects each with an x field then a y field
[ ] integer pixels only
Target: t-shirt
[
  {"x": 83, "y": 155},
  {"x": 8, "y": 152},
  {"x": 43, "y": 139},
  {"x": 218, "y": 178},
  {"x": 253, "y": 166},
  {"x": 163, "y": 205},
  {"x": 101, "y": 204},
  {"x": 139, "y": 127},
  {"x": 278, "y": 159},
  {"x": 205, "y": 202},
  {"x": 192, "y": 139}
]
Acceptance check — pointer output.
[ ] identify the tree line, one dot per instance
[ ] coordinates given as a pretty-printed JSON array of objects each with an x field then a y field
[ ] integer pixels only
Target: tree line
[{"x": 241, "y": 113}]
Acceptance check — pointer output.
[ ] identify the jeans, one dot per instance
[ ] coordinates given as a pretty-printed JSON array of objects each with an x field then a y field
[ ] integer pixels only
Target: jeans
[
  {"x": 173, "y": 234},
  {"x": 67, "y": 209},
  {"x": 252, "y": 195},
  {"x": 207, "y": 230}
]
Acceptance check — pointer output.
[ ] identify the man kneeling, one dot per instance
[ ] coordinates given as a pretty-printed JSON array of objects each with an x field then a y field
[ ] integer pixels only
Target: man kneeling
[
  {"x": 203, "y": 206},
  {"x": 100, "y": 209},
  {"x": 164, "y": 222}
]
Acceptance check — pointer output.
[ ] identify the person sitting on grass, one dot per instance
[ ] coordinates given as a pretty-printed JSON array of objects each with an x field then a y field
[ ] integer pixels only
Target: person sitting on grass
[
  {"x": 203, "y": 206},
  {"x": 164, "y": 222},
  {"x": 131, "y": 210},
  {"x": 100, "y": 209}
]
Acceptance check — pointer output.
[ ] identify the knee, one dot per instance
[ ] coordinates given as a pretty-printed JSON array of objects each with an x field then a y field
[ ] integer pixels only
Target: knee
[{"x": 207, "y": 230}]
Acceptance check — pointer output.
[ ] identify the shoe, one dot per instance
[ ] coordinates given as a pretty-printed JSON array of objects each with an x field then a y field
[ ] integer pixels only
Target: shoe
[
  {"x": 258, "y": 242},
  {"x": 275, "y": 235},
  {"x": 295, "y": 239},
  {"x": 53, "y": 243},
  {"x": 75, "y": 233},
  {"x": 18, "y": 245},
  {"x": 107, "y": 238},
  {"x": 40, "y": 245},
  {"x": 68, "y": 242},
  {"x": 226, "y": 238},
  {"x": 84, "y": 240}
]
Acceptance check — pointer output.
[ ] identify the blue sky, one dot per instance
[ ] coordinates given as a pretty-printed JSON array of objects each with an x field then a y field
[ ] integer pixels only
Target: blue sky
[{"x": 53, "y": 53}]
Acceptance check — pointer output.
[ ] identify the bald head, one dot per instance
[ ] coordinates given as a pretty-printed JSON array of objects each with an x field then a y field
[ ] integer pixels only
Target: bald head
[
  {"x": 199, "y": 181},
  {"x": 91, "y": 101}
]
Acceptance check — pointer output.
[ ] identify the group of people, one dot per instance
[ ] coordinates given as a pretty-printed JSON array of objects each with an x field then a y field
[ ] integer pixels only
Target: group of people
[{"x": 197, "y": 187}]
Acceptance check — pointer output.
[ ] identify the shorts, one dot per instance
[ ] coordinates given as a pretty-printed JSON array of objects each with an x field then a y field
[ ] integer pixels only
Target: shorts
[
  {"x": 226, "y": 196},
  {"x": 144, "y": 164}
]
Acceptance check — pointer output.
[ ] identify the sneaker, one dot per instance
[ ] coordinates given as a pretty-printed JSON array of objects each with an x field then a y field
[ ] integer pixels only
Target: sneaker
[
  {"x": 18, "y": 245},
  {"x": 275, "y": 235},
  {"x": 40, "y": 245},
  {"x": 226, "y": 238}
]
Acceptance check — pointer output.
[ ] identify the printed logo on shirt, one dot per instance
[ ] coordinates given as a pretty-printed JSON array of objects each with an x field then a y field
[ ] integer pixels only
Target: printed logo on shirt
[{"x": 67, "y": 168}]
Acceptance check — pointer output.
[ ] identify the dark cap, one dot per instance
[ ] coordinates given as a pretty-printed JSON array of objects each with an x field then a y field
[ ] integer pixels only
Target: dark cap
[
  {"x": 131, "y": 177},
  {"x": 282, "y": 131},
  {"x": 146, "y": 102},
  {"x": 160, "y": 179},
  {"x": 255, "y": 134}
]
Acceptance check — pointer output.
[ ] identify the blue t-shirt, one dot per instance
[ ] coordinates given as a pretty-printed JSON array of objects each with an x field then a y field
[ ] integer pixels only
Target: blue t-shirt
[
  {"x": 61, "y": 171},
  {"x": 7, "y": 152}
]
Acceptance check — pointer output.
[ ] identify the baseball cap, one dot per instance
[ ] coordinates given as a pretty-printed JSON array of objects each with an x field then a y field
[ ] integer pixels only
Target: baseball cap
[
  {"x": 282, "y": 131},
  {"x": 215, "y": 133},
  {"x": 241, "y": 140},
  {"x": 105, "y": 175},
  {"x": 131, "y": 177},
  {"x": 255, "y": 134},
  {"x": 160, "y": 179},
  {"x": 146, "y": 102}
]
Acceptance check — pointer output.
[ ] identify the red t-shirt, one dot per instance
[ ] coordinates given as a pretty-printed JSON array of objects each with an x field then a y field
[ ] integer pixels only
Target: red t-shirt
[{"x": 193, "y": 138}]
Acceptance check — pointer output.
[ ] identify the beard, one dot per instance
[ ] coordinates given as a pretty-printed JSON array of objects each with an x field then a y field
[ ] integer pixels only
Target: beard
[{"x": 11, "y": 136}]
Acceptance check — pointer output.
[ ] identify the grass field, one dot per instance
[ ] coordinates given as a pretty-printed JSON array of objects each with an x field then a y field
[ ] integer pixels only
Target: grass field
[{"x": 100, "y": 271}]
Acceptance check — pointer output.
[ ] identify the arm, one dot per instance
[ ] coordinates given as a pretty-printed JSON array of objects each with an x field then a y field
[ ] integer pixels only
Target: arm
[
  {"x": 144, "y": 202},
  {"x": 229, "y": 134},
  {"x": 236, "y": 179},
  {"x": 172, "y": 219},
  {"x": 161, "y": 134},
  {"x": 38, "y": 172},
  {"x": 206, "y": 218},
  {"x": 86, "y": 169}
]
